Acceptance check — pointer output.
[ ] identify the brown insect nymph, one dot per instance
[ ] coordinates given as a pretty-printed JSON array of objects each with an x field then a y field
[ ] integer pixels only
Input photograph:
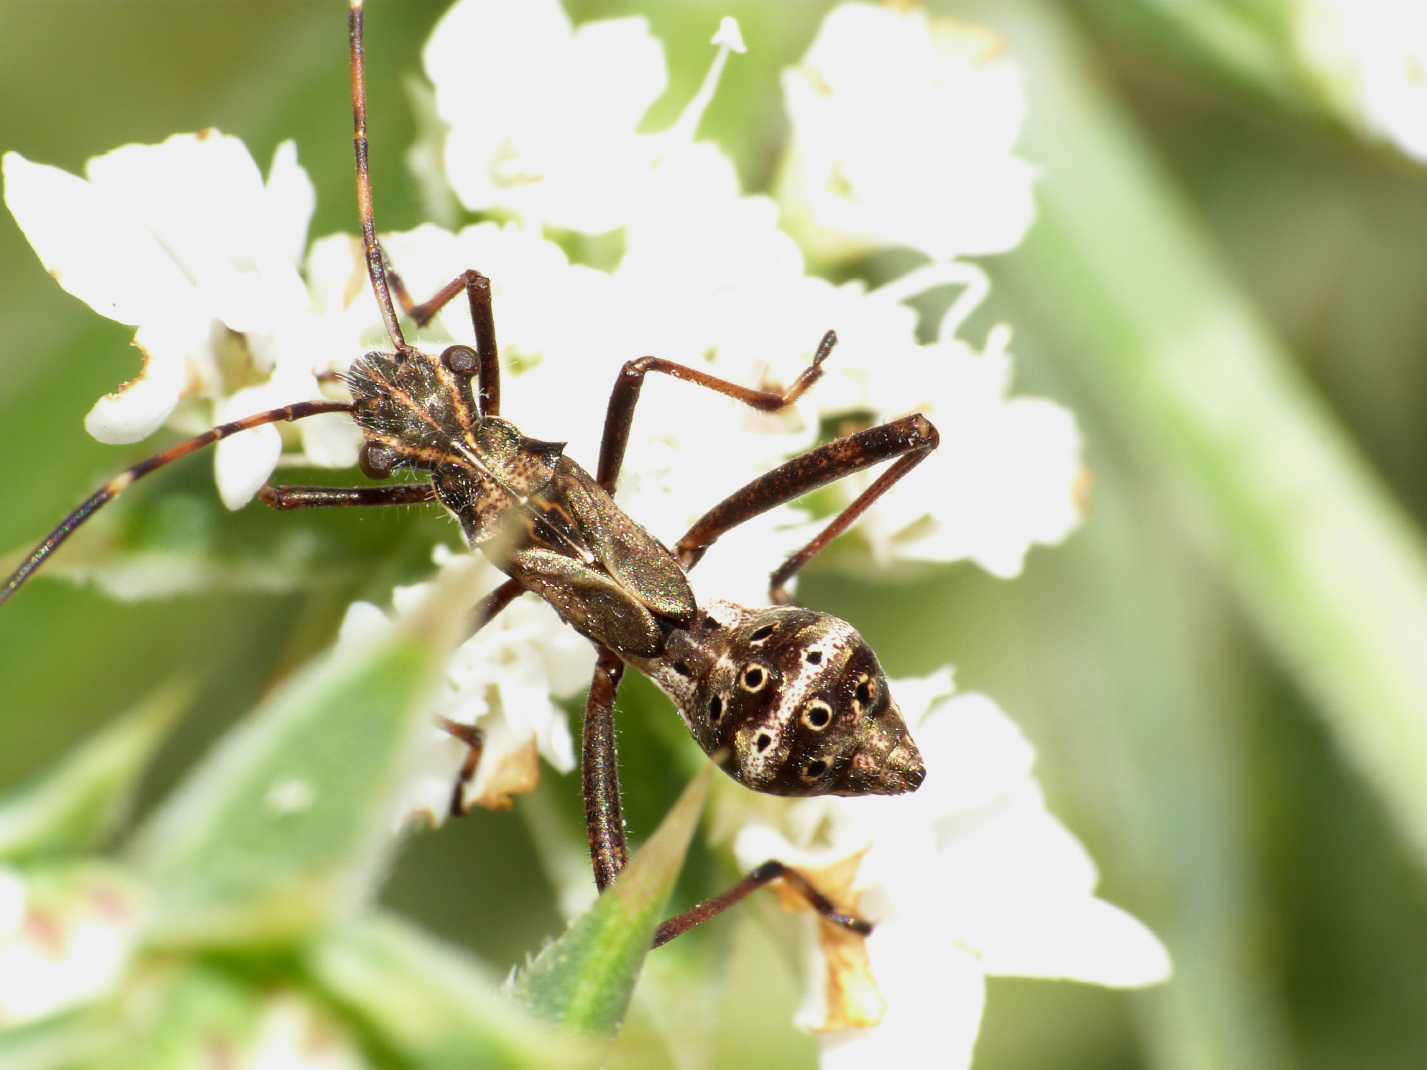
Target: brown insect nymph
[{"x": 785, "y": 700}]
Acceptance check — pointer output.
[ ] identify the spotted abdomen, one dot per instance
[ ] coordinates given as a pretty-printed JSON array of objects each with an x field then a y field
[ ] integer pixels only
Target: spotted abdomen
[{"x": 788, "y": 701}]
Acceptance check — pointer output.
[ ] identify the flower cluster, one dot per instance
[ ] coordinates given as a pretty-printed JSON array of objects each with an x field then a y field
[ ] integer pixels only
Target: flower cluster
[
  {"x": 206, "y": 259},
  {"x": 186, "y": 241},
  {"x": 66, "y": 934},
  {"x": 505, "y": 681},
  {"x": 968, "y": 877}
]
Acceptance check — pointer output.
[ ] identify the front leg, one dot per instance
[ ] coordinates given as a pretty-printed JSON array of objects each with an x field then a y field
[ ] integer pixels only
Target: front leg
[
  {"x": 620, "y": 415},
  {"x": 478, "y": 293}
]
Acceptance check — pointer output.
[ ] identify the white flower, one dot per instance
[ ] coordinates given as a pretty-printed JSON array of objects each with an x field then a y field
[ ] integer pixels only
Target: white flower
[
  {"x": 504, "y": 680},
  {"x": 292, "y": 1033},
  {"x": 1006, "y": 476},
  {"x": 1370, "y": 56},
  {"x": 969, "y": 877},
  {"x": 186, "y": 241},
  {"x": 558, "y": 356},
  {"x": 176, "y": 239},
  {"x": 857, "y": 176},
  {"x": 572, "y": 159},
  {"x": 13, "y": 898},
  {"x": 1008, "y": 473},
  {"x": 68, "y": 942}
]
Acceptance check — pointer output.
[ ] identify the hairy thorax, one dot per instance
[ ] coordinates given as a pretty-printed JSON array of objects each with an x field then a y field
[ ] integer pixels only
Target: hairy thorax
[{"x": 535, "y": 513}]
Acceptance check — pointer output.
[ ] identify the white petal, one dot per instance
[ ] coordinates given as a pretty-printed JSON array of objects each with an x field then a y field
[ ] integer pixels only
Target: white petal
[
  {"x": 975, "y": 755},
  {"x": 426, "y": 795},
  {"x": 74, "y": 946},
  {"x": 139, "y": 407},
  {"x": 292, "y": 1034},
  {"x": 243, "y": 463},
  {"x": 729, "y": 35},
  {"x": 289, "y": 200},
  {"x": 993, "y": 857},
  {"x": 758, "y": 841},
  {"x": 620, "y": 66},
  {"x": 917, "y": 696},
  {"x": 1081, "y": 939},
  {"x": 935, "y": 996},
  {"x": 330, "y": 441},
  {"x": 1370, "y": 57},
  {"x": 91, "y": 245},
  {"x": 854, "y": 180},
  {"x": 202, "y": 197},
  {"x": 13, "y": 897},
  {"x": 480, "y": 47},
  {"x": 1007, "y": 474},
  {"x": 573, "y": 160},
  {"x": 501, "y": 743},
  {"x": 362, "y": 623},
  {"x": 499, "y": 680},
  {"x": 336, "y": 272},
  {"x": 565, "y": 658}
]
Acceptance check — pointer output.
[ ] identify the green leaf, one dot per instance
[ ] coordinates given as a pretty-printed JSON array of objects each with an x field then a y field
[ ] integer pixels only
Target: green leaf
[
  {"x": 63, "y": 1041},
  {"x": 178, "y": 1014},
  {"x": 176, "y": 1018},
  {"x": 77, "y": 803},
  {"x": 285, "y": 826},
  {"x": 584, "y": 979},
  {"x": 430, "y": 1005}
]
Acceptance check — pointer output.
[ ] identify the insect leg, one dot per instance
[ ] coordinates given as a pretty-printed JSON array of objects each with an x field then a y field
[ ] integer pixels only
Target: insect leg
[
  {"x": 599, "y": 773},
  {"x": 286, "y": 498},
  {"x": 604, "y": 819},
  {"x": 764, "y": 874},
  {"x": 486, "y": 611},
  {"x": 127, "y": 478},
  {"x": 478, "y": 292},
  {"x": 475, "y": 742},
  {"x": 384, "y": 280},
  {"x": 489, "y": 607},
  {"x": 620, "y": 415},
  {"x": 376, "y": 266},
  {"x": 909, "y": 440}
]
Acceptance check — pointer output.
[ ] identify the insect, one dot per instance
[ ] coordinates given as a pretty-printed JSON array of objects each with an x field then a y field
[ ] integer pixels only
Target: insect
[{"x": 785, "y": 700}]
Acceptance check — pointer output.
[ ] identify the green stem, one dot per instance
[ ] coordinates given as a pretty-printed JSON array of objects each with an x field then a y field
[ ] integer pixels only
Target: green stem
[{"x": 1320, "y": 555}]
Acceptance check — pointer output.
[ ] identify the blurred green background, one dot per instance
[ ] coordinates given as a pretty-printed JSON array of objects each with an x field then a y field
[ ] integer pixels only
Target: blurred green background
[{"x": 1222, "y": 672}]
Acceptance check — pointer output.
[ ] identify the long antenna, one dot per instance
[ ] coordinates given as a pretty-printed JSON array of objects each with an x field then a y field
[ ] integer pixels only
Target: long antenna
[
  {"x": 124, "y": 480},
  {"x": 376, "y": 267}
]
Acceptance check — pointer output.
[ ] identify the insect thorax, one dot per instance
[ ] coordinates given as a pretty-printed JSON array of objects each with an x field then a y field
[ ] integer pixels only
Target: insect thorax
[{"x": 535, "y": 513}]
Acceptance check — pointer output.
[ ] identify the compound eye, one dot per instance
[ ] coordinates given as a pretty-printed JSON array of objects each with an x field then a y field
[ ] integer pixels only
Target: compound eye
[
  {"x": 376, "y": 460},
  {"x": 460, "y": 360}
]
